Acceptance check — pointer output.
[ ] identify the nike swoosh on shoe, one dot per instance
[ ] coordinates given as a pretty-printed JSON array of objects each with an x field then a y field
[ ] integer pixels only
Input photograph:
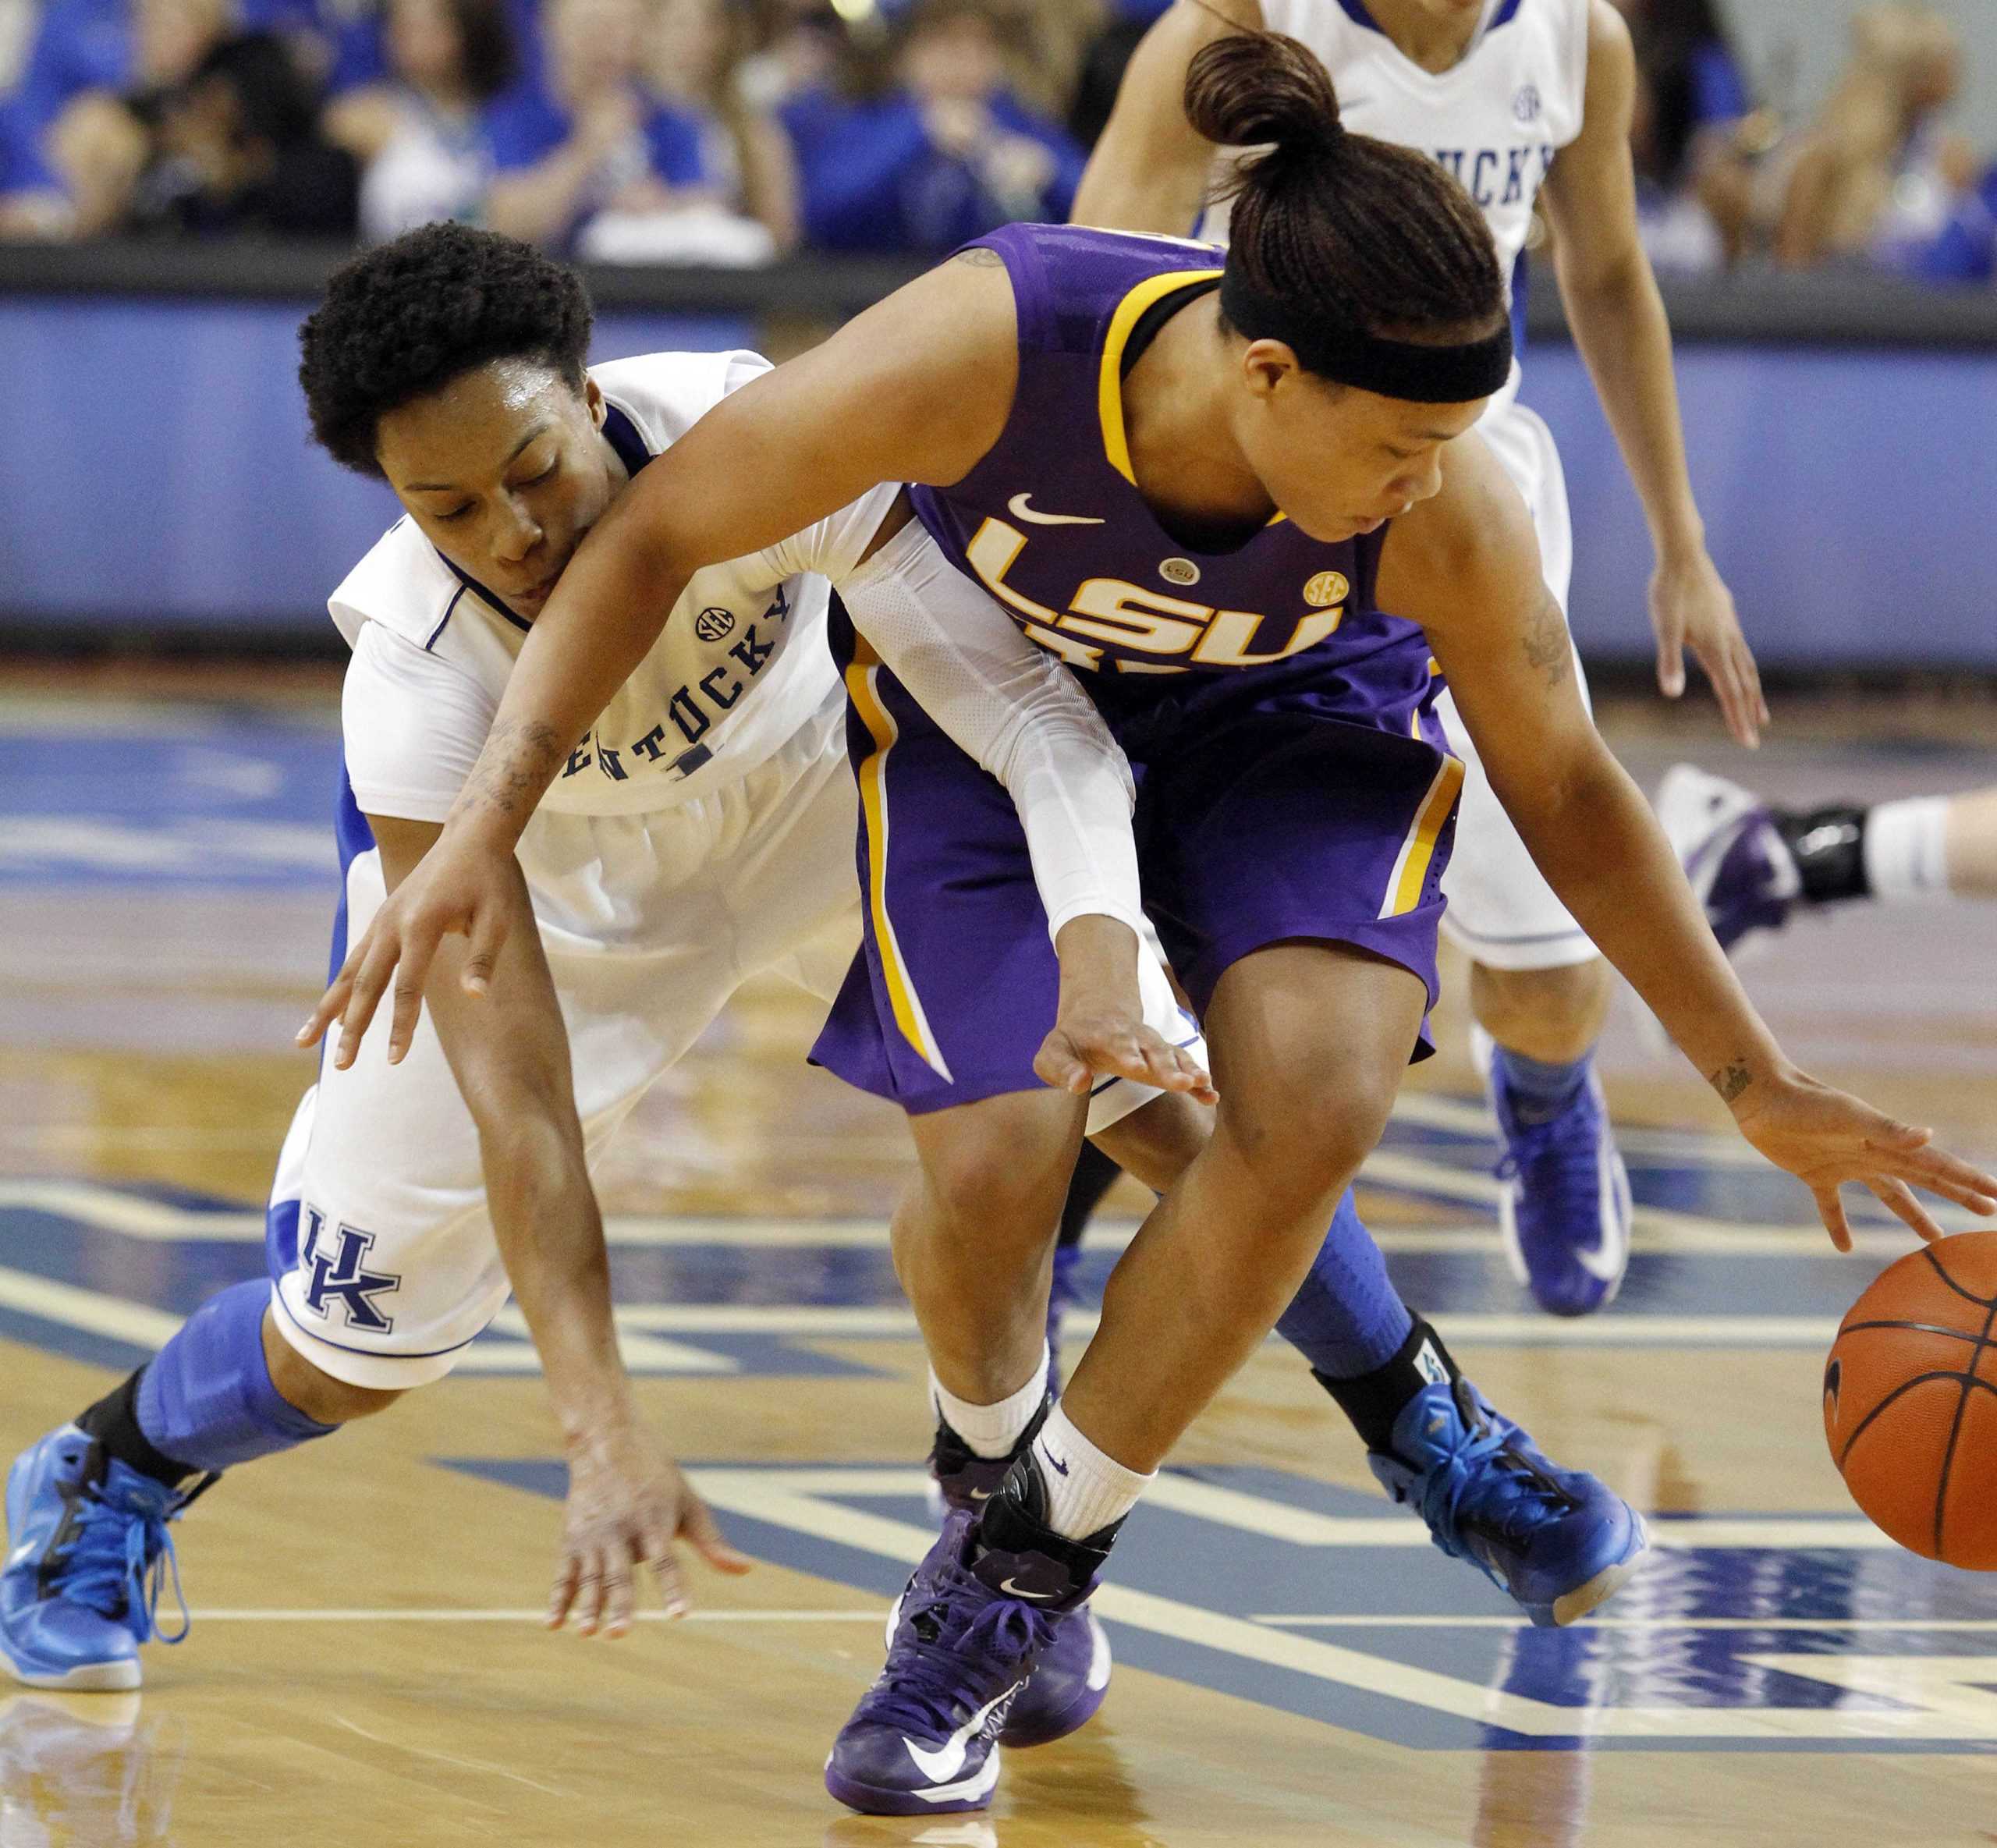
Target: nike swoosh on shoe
[{"x": 939, "y": 1763}]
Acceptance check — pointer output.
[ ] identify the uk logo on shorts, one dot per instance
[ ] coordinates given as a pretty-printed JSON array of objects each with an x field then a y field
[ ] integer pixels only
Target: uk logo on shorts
[{"x": 335, "y": 1267}]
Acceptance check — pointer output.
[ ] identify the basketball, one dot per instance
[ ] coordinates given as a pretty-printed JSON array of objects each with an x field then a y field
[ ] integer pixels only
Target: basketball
[{"x": 1910, "y": 1401}]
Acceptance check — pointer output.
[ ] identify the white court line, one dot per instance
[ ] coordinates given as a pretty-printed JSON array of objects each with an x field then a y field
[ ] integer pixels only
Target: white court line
[
  {"x": 92, "y": 1312},
  {"x": 1939, "y": 1626},
  {"x": 872, "y": 1614},
  {"x": 1657, "y": 1229}
]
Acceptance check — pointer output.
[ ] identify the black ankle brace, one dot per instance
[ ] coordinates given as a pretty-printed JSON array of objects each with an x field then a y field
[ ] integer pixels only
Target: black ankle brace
[
  {"x": 114, "y": 1422},
  {"x": 1828, "y": 847},
  {"x": 1373, "y": 1400}
]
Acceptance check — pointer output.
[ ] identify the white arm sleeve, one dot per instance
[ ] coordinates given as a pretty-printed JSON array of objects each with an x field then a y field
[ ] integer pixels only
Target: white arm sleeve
[
  {"x": 413, "y": 725},
  {"x": 1017, "y": 711}
]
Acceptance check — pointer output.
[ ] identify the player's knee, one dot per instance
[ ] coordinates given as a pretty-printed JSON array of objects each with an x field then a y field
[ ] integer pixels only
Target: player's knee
[
  {"x": 1551, "y": 1014},
  {"x": 1303, "y": 1144},
  {"x": 994, "y": 1178}
]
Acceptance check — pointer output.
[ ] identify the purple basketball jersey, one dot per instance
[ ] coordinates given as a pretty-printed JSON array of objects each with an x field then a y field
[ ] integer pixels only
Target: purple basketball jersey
[{"x": 1051, "y": 522}]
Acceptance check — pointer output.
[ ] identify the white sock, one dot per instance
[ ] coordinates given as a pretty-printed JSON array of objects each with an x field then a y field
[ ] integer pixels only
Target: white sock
[
  {"x": 992, "y": 1430},
  {"x": 1907, "y": 852},
  {"x": 1085, "y": 1488}
]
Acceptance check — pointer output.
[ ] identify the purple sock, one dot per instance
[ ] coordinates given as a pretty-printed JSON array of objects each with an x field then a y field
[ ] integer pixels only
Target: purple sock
[
  {"x": 1347, "y": 1319},
  {"x": 207, "y": 1399}
]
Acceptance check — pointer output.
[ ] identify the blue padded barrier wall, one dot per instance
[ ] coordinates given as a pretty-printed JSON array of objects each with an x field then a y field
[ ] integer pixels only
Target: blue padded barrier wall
[
  {"x": 155, "y": 467},
  {"x": 154, "y": 470}
]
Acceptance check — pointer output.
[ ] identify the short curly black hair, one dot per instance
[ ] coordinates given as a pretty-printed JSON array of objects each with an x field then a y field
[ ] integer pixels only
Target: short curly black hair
[{"x": 409, "y": 317}]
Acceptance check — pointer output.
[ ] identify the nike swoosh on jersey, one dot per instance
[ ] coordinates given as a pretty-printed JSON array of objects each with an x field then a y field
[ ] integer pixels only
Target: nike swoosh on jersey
[
  {"x": 1019, "y": 508},
  {"x": 939, "y": 1763}
]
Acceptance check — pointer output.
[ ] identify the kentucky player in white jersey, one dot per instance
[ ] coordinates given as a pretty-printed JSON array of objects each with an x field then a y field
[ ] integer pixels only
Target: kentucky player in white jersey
[
  {"x": 1525, "y": 102},
  {"x": 702, "y": 832}
]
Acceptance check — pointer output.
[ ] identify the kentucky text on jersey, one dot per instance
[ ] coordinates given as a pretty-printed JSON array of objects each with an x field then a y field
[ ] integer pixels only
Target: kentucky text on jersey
[{"x": 692, "y": 709}]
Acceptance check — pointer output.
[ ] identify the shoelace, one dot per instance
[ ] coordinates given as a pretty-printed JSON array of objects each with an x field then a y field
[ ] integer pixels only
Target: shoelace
[
  {"x": 930, "y": 1689},
  {"x": 120, "y": 1563},
  {"x": 1512, "y": 1497},
  {"x": 1533, "y": 1145}
]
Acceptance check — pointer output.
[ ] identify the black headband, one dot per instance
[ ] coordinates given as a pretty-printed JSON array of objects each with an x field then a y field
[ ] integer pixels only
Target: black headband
[{"x": 1352, "y": 357}]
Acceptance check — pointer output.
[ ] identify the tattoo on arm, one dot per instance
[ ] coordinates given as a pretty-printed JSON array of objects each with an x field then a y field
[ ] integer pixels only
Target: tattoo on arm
[
  {"x": 1730, "y": 1080},
  {"x": 981, "y": 257},
  {"x": 1548, "y": 651},
  {"x": 524, "y": 758}
]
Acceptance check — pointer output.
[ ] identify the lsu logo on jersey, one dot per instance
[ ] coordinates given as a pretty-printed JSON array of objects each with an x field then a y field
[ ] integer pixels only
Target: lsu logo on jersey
[{"x": 1110, "y": 614}]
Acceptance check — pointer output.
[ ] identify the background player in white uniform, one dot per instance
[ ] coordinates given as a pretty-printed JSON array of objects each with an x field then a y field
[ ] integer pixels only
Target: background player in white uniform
[
  {"x": 703, "y": 832},
  {"x": 1521, "y": 99}
]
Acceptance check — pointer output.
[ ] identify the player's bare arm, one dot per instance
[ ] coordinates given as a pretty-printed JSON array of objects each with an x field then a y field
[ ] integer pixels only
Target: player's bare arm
[
  {"x": 1149, "y": 171},
  {"x": 1618, "y": 319},
  {"x": 1466, "y": 566},
  {"x": 628, "y": 1503}
]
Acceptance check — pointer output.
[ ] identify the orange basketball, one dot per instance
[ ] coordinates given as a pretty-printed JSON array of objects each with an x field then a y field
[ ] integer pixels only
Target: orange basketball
[{"x": 1910, "y": 1401}]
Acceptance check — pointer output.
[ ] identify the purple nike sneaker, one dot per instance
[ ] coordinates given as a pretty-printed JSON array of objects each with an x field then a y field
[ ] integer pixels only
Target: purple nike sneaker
[
  {"x": 924, "y": 1739},
  {"x": 1072, "y": 1675}
]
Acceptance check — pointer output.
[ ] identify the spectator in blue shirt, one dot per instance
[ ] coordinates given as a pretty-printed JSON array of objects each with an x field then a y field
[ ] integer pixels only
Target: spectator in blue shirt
[
  {"x": 945, "y": 152},
  {"x": 31, "y": 201},
  {"x": 592, "y": 138},
  {"x": 1967, "y": 250},
  {"x": 116, "y": 47}
]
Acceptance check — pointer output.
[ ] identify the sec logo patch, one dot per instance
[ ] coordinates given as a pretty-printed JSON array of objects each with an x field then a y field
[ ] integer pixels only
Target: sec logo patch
[
  {"x": 1327, "y": 588},
  {"x": 714, "y": 622}
]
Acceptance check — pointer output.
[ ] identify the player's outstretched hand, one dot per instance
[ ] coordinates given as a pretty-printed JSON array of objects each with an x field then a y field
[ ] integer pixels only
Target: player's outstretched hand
[
  {"x": 456, "y": 887},
  {"x": 1691, "y": 608},
  {"x": 628, "y": 1505},
  {"x": 1826, "y": 1138},
  {"x": 1094, "y": 1042}
]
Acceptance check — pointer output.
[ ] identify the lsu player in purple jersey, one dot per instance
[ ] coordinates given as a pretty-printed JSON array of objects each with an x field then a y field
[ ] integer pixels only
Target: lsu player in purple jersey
[
  {"x": 1235, "y": 503},
  {"x": 1528, "y": 103}
]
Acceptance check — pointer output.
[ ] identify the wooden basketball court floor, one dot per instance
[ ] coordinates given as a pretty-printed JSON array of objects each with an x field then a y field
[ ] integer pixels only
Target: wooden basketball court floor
[{"x": 1296, "y": 1664}]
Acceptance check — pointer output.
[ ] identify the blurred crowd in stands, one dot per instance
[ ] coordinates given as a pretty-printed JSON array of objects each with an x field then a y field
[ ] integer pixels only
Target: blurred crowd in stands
[{"x": 735, "y": 131}]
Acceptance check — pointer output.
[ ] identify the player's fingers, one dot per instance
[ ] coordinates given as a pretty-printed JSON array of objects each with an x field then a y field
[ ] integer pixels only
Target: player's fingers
[
  {"x": 619, "y": 1594},
  {"x": 418, "y": 953},
  {"x": 1951, "y": 1180},
  {"x": 1199, "y": 1080},
  {"x": 1830, "y": 1209},
  {"x": 671, "y": 1586},
  {"x": 589, "y": 1595},
  {"x": 1897, "y": 1199},
  {"x": 1736, "y": 704},
  {"x": 1671, "y": 660},
  {"x": 705, "y": 1536},
  {"x": 332, "y": 1005},
  {"x": 568, "y": 1578},
  {"x": 371, "y": 982},
  {"x": 488, "y": 937},
  {"x": 1751, "y": 673}
]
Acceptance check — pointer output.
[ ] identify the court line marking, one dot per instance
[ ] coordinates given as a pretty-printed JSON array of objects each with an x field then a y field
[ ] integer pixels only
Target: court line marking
[
  {"x": 1369, "y": 1620},
  {"x": 1656, "y": 1229},
  {"x": 139, "y": 1324},
  {"x": 1941, "y": 1701},
  {"x": 1941, "y": 1625},
  {"x": 872, "y": 1614}
]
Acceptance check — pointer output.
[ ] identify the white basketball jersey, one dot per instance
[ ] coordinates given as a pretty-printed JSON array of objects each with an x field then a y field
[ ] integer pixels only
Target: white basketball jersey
[
  {"x": 1495, "y": 118},
  {"x": 742, "y": 665}
]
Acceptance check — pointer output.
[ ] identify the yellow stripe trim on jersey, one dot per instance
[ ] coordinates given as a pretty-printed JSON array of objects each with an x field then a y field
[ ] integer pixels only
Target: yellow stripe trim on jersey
[
  {"x": 1411, "y": 865},
  {"x": 861, "y": 689},
  {"x": 1109, "y": 388}
]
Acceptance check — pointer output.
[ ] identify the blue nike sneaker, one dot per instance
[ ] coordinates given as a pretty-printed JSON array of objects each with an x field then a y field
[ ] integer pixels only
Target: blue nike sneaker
[
  {"x": 1563, "y": 1204},
  {"x": 1559, "y": 1542},
  {"x": 89, "y": 1554},
  {"x": 924, "y": 1739},
  {"x": 1072, "y": 1676}
]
